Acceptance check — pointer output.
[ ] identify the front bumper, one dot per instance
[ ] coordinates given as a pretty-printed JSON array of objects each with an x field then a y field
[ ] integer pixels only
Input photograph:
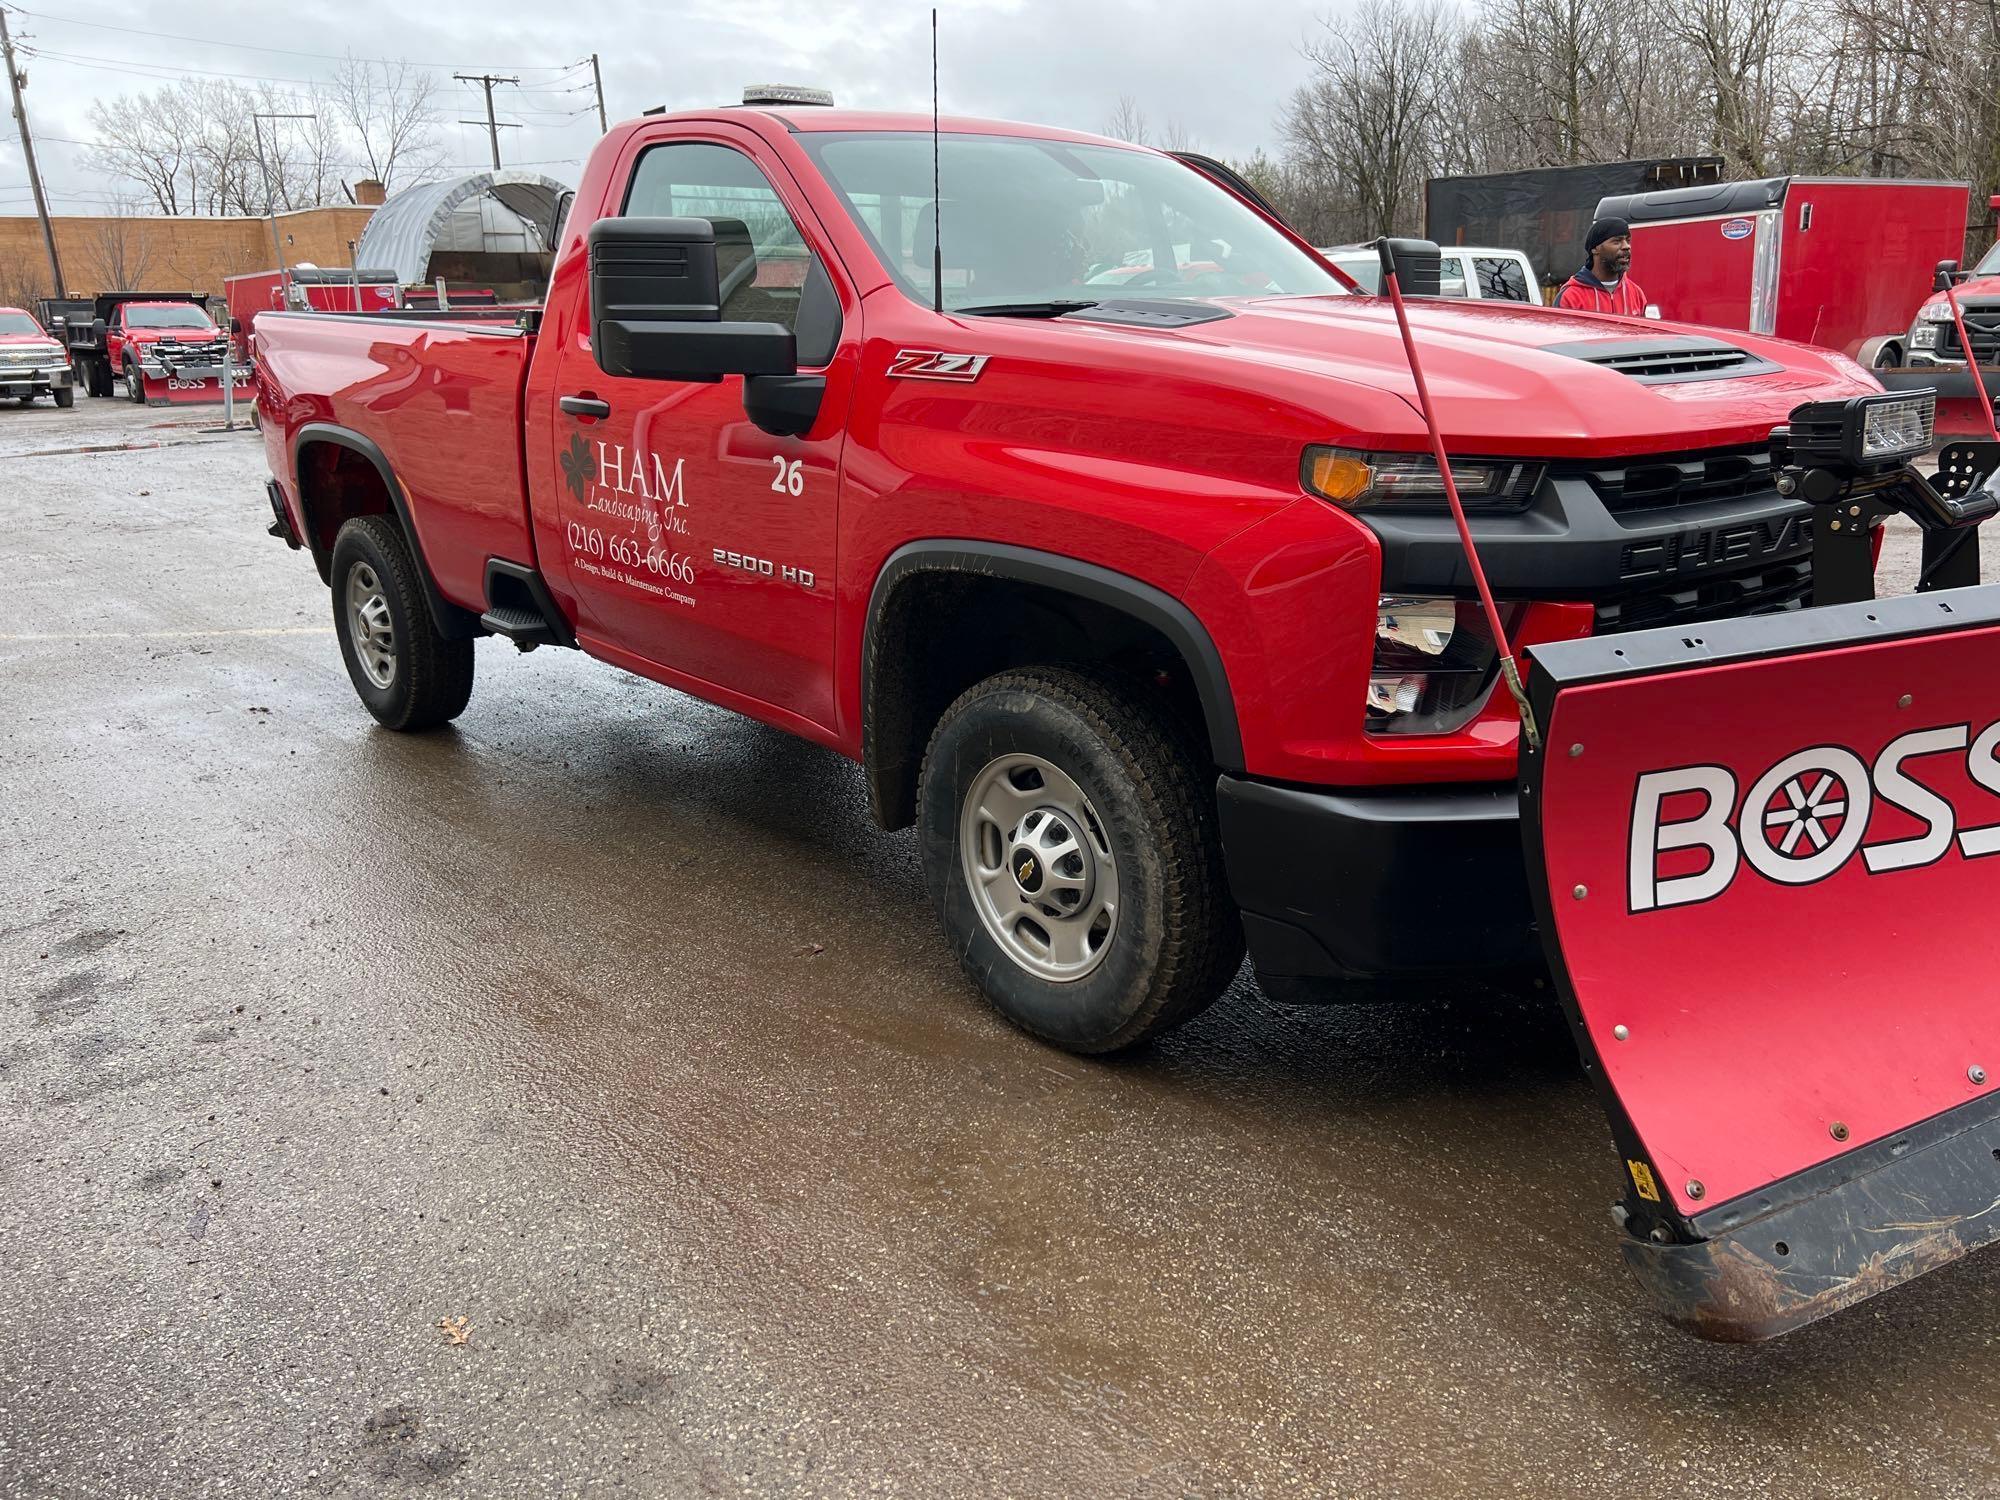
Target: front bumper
[
  {"x": 1343, "y": 884},
  {"x": 25, "y": 382}
]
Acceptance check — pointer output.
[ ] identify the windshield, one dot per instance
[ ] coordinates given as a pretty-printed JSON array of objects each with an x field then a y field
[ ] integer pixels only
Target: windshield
[
  {"x": 18, "y": 322},
  {"x": 184, "y": 316},
  {"x": 1028, "y": 222},
  {"x": 1989, "y": 264}
]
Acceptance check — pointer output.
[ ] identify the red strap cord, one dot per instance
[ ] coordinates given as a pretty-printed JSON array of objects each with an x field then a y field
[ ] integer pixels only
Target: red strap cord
[
  {"x": 1508, "y": 668},
  {"x": 1971, "y": 363}
]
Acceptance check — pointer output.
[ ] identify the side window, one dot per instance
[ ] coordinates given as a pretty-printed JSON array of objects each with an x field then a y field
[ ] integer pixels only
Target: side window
[
  {"x": 1502, "y": 278},
  {"x": 1451, "y": 277},
  {"x": 768, "y": 274}
]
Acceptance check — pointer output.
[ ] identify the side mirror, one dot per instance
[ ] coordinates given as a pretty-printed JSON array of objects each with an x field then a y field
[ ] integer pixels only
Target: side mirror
[
  {"x": 1416, "y": 264},
  {"x": 656, "y": 303},
  {"x": 1944, "y": 276},
  {"x": 235, "y": 325}
]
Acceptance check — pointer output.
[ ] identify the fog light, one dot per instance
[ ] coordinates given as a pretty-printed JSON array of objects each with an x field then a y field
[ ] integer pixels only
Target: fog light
[{"x": 1924, "y": 336}]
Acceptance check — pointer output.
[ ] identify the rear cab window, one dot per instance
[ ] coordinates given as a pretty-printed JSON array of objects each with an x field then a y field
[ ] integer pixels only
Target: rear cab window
[{"x": 1501, "y": 277}]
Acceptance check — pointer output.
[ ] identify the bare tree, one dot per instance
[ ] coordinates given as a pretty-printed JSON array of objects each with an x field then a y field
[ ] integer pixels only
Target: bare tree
[
  {"x": 1127, "y": 122},
  {"x": 1364, "y": 126},
  {"x": 389, "y": 111},
  {"x": 122, "y": 246}
]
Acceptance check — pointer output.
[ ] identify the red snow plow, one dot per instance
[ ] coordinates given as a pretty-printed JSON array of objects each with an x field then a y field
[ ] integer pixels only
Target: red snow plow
[
  {"x": 1765, "y": 857},
  {"x": 1759, "y": 851}
]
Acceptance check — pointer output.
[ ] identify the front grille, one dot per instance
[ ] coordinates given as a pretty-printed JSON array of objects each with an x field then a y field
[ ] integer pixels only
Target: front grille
[
  {"x": 1782, "y": 586},
  {"x": 1666, "y": 361},
  {"x": 1658, "y": 483},
  {"x": 1982, "y": 325}
]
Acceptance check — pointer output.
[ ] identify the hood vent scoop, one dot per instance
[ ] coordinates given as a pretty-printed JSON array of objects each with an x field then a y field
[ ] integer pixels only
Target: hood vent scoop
[
  {"x": 1140, "y": 312},
  {"x": 1666, "y": 361}
]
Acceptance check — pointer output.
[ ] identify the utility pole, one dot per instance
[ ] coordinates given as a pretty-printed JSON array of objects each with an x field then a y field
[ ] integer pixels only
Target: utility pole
[
  {"x": 493, "y": 126},
  {"x": 15, "y": 79},
  {"x": 270, "y": 215},
  {"x": 597, "y": 78}
]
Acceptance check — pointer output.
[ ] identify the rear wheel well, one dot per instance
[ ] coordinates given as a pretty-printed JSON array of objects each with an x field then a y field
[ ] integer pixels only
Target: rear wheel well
[
  {"x": 341, "y": 475},
  {"x": 336, "y": 484},
  {"x": 940, "y": 630}
]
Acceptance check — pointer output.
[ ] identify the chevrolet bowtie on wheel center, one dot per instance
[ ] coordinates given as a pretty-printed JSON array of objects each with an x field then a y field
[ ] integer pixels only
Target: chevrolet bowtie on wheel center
[{"x": 1189, "y": 602}]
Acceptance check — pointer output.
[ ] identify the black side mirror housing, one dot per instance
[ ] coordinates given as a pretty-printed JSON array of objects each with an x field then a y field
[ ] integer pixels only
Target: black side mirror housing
[
  {"x": 235, "y": 325},
  {"x": 656, "y": 303},
  {"x": 1944, "y": 276},
  {"x": 1417, "y": 265}
]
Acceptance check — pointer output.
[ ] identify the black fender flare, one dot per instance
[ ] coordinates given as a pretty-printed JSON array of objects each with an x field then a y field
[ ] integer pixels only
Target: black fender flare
[
  {"x": 454, "y": 623},
  {"x": 1148, "y": 605}
]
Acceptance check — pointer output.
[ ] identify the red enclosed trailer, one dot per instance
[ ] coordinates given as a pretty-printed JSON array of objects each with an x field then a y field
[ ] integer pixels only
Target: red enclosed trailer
[{"x": 1841, "y": 262}]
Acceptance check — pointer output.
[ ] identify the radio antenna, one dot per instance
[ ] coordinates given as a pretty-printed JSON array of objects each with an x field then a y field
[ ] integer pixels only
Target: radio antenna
[{"x": 937, "y": 198}]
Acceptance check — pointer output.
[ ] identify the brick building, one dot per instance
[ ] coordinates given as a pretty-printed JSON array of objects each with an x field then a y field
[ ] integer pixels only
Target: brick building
[{"x": 173, "y": 254}]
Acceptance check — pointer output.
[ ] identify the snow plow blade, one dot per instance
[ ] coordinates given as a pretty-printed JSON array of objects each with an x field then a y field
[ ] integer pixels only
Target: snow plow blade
[{"x": 1765, "y": 855}]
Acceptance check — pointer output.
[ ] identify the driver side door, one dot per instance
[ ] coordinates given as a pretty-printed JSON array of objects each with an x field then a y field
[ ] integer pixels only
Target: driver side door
[{"x": 696, "y": 541}]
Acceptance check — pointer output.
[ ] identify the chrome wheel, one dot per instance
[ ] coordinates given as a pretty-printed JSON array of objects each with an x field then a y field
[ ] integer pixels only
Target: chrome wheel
[
  {"x": 371, "y": 625},
  {"x": 1038, "y": 863}
]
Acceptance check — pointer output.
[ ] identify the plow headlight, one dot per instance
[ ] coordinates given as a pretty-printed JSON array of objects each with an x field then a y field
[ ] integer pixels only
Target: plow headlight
[
  {"x": 1863, "y": 432},
  {"x": 1434, "y": 664},
  {"x": 1410, "y": 481}
]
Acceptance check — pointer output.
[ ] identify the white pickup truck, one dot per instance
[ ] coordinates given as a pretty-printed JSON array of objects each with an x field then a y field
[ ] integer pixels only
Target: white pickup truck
[{"x": 1472, "y": 271}]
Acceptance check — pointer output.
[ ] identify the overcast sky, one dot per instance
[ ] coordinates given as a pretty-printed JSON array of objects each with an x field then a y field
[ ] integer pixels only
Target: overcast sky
[{"x": 1220, "y": 70}]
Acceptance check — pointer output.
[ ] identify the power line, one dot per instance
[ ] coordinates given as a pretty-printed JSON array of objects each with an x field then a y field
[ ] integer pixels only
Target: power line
[
  {"x": 206, "y": 41},
  {"x": 170, "y": 72}
]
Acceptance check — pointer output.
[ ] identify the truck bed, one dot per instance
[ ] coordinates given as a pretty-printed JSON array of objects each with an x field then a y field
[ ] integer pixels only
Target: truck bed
[{"x": 440, "y": 396}]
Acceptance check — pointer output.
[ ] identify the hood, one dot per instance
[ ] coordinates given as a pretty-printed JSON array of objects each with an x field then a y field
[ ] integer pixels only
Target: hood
[
  {"x": 27, "y": 340},
  {"x": 1508, "y": 379}
]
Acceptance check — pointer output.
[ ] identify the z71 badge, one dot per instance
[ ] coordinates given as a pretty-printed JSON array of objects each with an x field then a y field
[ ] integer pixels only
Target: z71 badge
[{"x": 932, "y": 364}]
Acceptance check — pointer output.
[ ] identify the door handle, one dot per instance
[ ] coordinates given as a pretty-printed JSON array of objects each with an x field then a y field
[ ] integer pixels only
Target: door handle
[{"x": 584, "y": 406}]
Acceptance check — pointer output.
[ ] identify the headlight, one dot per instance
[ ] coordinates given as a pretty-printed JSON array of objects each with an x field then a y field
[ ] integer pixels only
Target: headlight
[
  {"x": 1924, "y": 336},
  {"x": 1934, "y": 312},
  {"x": 1434, "y": 665},
  {"x": 1410, "y": 481}
]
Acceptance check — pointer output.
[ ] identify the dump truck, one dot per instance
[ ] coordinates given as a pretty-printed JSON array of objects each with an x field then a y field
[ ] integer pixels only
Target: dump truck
[{"x": 1181, "y": 616}]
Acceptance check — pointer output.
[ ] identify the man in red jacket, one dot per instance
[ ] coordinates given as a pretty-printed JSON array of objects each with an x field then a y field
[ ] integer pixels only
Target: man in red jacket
[{"x": 1602, "y": 285}]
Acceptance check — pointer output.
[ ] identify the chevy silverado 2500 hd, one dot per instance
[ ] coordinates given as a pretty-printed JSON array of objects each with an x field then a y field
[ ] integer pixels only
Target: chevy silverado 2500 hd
[{"x": 1133, "y": 590}]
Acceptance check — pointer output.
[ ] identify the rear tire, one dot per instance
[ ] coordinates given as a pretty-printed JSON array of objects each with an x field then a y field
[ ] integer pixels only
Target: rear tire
[
  {"x": 1045, "y": 794},
  {"x": 66, "y": 397},
  {"x": 97, "y": 375},
  {"x": 408, "y": 676}
]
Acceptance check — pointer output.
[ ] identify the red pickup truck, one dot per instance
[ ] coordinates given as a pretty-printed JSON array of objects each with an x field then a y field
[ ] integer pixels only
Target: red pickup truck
[{"x": 1139, "y": 599}]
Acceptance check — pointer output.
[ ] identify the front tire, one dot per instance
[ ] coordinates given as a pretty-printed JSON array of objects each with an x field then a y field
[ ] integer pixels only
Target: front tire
[
  {"x": 135, "y": 386},
  {"x": 65, "y": 397},
  {"x": 407, "y": 675},
  {"x": 1070, "y": 846}
]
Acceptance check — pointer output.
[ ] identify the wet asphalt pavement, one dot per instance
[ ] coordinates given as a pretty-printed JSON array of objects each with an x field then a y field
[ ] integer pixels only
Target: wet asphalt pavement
[{"x": 607, "y": 1023}]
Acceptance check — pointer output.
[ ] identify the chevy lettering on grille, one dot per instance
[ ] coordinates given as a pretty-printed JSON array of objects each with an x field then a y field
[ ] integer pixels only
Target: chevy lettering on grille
[{"x": 1718, "y": 546}]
